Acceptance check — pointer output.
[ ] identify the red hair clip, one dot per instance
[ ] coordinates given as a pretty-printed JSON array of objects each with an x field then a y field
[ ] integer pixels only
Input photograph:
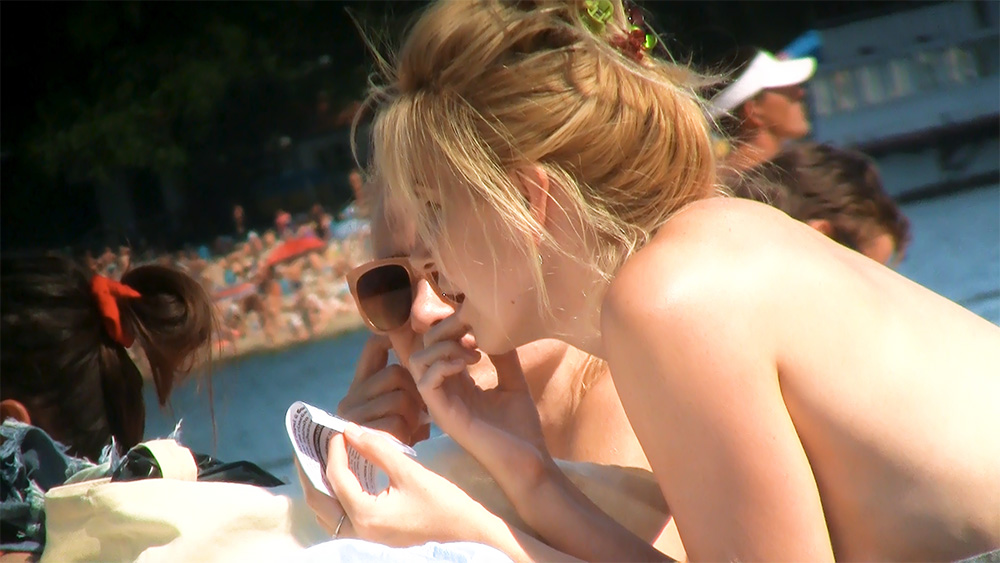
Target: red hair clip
[{"x": 107, "y": 292}]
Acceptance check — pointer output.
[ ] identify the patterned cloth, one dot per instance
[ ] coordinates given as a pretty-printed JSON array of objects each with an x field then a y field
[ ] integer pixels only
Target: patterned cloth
[{"x": 31, "y": 463}]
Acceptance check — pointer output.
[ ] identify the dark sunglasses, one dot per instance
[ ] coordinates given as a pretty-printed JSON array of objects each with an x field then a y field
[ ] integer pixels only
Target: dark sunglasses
[{"x": 384, "y": 291}]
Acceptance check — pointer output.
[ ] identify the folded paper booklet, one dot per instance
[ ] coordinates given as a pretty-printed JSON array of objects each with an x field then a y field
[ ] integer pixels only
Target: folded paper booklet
[{"x": 310, "y": 429}]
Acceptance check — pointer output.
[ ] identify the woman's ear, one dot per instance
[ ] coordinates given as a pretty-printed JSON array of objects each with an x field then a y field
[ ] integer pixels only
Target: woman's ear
[
  {"x": 533, "y": 183},
  {"x": 822, "y": 225},
  {"x": 751, "y": 117},
  {"x": 9, "y": 408}
]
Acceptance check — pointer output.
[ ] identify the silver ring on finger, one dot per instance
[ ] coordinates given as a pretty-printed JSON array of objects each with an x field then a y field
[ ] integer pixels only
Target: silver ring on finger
[{"x": 336, "y": 533}]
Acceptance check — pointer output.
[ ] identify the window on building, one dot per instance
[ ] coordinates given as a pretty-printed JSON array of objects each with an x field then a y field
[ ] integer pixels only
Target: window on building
[
  {"x": 845, "y": 95},
  {"x": 872, "y": 88},
  {"x": 900, "y": 78},
  {"x": 960, "y": 65},
  {"x": 925, "y": 71},
  {"x": 819, "y": 94}
]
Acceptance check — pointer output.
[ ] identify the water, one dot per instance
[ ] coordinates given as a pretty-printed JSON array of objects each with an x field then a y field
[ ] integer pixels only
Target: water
[
  {"x": 956, "y": 248},
  {"x": 251, "y": 396},
  {"x": 955, "y": 252}
]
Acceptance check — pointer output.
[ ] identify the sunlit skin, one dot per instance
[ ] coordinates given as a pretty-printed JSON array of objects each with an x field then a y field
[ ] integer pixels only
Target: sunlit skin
[
  {"x": 816, "y": 414},
  {"x": 880, "y": 248},
  {"x": 571, "y": 416},
  {"x": 770, "y": 119},
  {"x": 783, "y": 112},
  {"x": 822, "y": 406},
  {"x": 878, "y": 245},
  {"x": 577, "y": 423}
]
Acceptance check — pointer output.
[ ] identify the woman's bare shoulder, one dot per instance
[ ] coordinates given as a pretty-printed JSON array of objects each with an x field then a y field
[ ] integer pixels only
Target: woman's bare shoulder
[{"x": 716, "y": 252}]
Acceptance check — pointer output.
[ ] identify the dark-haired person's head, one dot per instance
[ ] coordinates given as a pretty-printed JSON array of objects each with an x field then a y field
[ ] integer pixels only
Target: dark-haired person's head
[
  {"x": 763, "y": 95},
  {"x": 836, "y": 191},
  {"x": 64, "y": 359}
]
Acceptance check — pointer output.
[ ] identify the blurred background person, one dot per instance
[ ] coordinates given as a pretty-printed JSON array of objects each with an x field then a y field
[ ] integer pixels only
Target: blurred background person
[
  {"x": 239, "y": 220},
  {"x": 837, "y": 192},
  {"x": 759, "y": 107}
]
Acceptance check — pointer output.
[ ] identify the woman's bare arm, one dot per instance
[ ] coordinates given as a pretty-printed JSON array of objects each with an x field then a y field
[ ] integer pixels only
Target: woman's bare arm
[
  {"x": 697, "y": 374},
  {"x": 516, "y": 544},
  {"x": 551, "y": 504},
  {"x": 418, "y": 506}
]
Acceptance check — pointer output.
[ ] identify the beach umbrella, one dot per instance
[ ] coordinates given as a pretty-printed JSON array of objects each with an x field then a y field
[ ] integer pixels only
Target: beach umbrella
[
  {"x": 292, "y": 249},
  {"x": 235, "y": 291}
]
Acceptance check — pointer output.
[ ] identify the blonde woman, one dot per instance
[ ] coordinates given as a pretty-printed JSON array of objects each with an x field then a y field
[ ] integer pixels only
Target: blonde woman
[
  {"x": 572, "y": 399},
  {"x": 795, "y": 400}
]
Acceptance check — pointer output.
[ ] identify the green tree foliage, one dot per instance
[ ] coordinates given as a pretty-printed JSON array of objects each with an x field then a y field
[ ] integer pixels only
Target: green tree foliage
[{"x": 162, "y": 75}]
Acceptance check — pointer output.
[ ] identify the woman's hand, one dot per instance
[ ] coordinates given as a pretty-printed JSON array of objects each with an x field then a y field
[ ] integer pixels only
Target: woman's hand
[
  {"x": 498, "y": 426},
  {"x": 327, "y": 510},
  {"x": 417, "y": 507},
  {"x": 385, "y": 397}
]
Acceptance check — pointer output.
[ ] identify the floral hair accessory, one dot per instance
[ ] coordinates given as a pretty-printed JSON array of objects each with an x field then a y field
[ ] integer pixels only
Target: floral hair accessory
[
  {"x": 597, "y": 13},
  {"x": 637, "y": 41}
]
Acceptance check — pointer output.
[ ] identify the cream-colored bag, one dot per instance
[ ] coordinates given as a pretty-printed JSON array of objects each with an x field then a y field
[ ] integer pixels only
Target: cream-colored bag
[
  {"x": 175, "y": 518},
  {"x": 179, "y": 519}
]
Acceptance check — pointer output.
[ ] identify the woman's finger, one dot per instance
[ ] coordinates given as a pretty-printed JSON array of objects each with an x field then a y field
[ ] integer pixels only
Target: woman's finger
[
  {"x": 374, "y": 356},
  {"x": 445, "y": 350},
  {"x": 344, "y": 484},
  {"x": 422, "y": 433},
  {"x": 450, "y": 328},
  {"x": 379, "y": 451},
  {"x": 387, "y": 380},
  {"x": 436, "y": 374},
  {"x": 406, "y": 405},
  {"x": 336, "y": 528},
  {"x": 346, "y": 529},
  {"x": 325, "y": 508},
  {"x": 395, "y": 426}
]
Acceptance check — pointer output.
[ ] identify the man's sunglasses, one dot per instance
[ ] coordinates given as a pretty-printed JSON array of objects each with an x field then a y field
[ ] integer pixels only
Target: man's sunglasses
[{"x": 384, "y": 291}]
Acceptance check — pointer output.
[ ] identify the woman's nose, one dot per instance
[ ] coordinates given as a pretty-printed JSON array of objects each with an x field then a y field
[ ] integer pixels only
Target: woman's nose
[{"x": 428, "y": 308}]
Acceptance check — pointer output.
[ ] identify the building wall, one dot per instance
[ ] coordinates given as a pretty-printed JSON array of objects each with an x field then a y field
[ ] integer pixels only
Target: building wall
[{"x": 919, "y": 90}]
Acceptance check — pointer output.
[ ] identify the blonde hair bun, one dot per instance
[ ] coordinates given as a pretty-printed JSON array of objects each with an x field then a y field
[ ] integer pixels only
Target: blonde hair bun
[{"x": 481, "y": 87}]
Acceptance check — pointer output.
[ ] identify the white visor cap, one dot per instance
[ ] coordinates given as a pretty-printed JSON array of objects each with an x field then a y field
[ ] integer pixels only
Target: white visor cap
[{"x": 763, "y": 72}]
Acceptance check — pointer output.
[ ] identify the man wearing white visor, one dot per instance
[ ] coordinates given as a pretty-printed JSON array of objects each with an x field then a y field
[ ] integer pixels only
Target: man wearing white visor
[{"x": 762, "y": 107}]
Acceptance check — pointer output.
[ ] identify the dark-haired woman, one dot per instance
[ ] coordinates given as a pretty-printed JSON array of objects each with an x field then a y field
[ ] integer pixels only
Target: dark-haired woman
[{"x": 68, "y": 387}]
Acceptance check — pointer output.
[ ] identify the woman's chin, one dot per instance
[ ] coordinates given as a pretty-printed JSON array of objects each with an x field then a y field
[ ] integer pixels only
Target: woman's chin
[{"x": 491, "y": 346}]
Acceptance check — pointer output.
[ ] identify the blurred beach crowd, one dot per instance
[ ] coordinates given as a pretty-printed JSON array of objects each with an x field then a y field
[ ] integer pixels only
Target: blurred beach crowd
[{"x": 273, "y": 288}]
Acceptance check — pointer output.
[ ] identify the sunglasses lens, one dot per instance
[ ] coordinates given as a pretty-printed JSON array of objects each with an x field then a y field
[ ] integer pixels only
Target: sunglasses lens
[
  {"x": 453, "y": 298},
  {"x": 385, "y": 295}
]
